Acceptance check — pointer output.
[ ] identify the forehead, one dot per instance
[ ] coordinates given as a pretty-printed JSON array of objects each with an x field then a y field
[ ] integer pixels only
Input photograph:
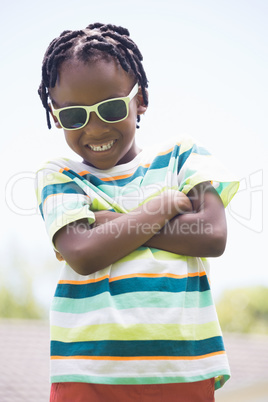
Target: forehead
[{"x": 80, "y": 82}]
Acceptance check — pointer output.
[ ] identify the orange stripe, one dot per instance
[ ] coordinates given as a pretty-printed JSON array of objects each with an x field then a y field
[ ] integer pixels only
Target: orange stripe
[
  {"x": 165, "y": 152},
  {"x": 83, "y": 172},
  {"x": 61, "y": 170},
  {"x": 147, "y": 165},
  {"x": 66, "y": 282},
  {"x": 107, "y": 178},
  {"x": 124, "y": 176},
  {"x": 51, "y": 195},
  {"x": 157, "y": 276},
  {"x": 130, "y": 358},
  {"x": 169, "y": 150},
  {"x": 117, "y": 278}
]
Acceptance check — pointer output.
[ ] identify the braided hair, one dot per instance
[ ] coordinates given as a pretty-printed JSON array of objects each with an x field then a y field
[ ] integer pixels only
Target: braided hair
[{"x": 95, "y": 40}]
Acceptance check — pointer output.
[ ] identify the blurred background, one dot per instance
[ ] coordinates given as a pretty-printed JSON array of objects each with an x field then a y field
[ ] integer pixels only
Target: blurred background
[{"x": 206, "y": 62}]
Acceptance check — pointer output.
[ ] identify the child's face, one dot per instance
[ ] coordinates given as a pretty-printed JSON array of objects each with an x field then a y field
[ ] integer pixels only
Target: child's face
[{"x": 99, "y": 143}]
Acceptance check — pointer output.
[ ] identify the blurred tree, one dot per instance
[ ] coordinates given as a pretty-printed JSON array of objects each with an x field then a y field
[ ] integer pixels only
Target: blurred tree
[
  {"x": 12, "y": 306},
  {"x": 17, "y": 299},
  {"x": 244, "y": 310},
  {"x": 26, "y": 283}
]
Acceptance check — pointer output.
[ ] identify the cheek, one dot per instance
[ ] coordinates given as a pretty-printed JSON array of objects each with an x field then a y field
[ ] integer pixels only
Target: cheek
[
  {"x": 67, "y": 138},
  {"x": 131, "y": 121},
  {"x": 128, "y": 130},
  {"x": 71, "y": 139}
]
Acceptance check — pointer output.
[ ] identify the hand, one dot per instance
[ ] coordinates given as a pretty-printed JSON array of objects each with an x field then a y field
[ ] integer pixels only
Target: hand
[
  {"x": 183, "y": 202},
  {"x": 178, "y": 201}
]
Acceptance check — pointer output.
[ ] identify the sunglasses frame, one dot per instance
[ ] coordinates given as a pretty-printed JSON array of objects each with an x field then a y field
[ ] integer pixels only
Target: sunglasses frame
[{"x": 94, "y": 108}]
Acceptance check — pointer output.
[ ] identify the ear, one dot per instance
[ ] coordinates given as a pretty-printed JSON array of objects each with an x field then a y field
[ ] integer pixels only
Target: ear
[
  {"x": 57, "y": 124},
  {"x": 141, "y": 104}
]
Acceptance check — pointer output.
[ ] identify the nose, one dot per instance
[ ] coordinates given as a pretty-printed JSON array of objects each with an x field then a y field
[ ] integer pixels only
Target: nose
[{"x": 95, "y": 125}]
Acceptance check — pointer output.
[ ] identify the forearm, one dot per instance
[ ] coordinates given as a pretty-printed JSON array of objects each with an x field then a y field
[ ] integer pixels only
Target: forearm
[
  {"x": 191, "y": 234},
  {"x": 196, "y": 234},
  {"x": 201, "y": 233},
  {"x": 92, "y": 249}
]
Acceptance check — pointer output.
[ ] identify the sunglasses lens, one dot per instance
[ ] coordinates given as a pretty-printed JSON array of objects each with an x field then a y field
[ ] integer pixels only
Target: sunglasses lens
[
  {"x": 73, "y": 118},
  {"x": 113, "y": 111}
]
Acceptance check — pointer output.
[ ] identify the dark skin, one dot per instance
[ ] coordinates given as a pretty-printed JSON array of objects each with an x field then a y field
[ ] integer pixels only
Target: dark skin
[
  {"x": 169, "y": 221},
  {"x": 83, "y": 250}
]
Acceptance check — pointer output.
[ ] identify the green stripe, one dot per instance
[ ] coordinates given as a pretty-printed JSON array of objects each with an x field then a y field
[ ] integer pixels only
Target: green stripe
[
  {"x": 133, "y": 300},
  {"x": 167, "y": 255},
  {"x": 154, "y": 176},
  {"x": 142, "y": 253},
  {"x": 68, "y": 209},
  {"x": 47, "y": 180},
  {"x": 158, "y": 192},
  {"x": 98, "y": 204},
  {"x": 117, "y": 332},
  {"x": 140, "y": 380},
  {"x": 65, "y": 219},
  {"x": 228, "y": 192}
]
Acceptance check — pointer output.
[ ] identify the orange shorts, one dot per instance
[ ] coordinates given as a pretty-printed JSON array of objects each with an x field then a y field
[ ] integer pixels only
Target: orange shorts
[{"x": 202, "y": 391}]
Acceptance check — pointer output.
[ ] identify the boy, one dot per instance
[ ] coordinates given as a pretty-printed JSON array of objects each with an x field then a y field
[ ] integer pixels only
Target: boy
[{"x": 132, "y": 318}]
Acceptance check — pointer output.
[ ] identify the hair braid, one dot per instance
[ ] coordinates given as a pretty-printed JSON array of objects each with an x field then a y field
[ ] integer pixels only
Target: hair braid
[
  {"x": 110, "y": 49},
  {"x": 95, "y": 39}
]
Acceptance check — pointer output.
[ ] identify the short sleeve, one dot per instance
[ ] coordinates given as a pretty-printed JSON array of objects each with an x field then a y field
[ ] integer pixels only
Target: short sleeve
[
  {"x": 61, "y": 201},
  {"x": 197, "y": 165}
]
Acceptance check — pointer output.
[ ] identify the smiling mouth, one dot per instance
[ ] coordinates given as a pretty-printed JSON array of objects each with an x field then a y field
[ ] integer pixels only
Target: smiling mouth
[{"x": 102, "y": 147}]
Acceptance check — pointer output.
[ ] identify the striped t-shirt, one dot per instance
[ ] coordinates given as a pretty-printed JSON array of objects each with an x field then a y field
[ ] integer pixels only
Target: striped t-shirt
[{"x": 148, "y": 318}]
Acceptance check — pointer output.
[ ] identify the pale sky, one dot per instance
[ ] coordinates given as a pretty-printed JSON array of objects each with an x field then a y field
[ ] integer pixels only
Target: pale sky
[{"x": 207, "y": 64}]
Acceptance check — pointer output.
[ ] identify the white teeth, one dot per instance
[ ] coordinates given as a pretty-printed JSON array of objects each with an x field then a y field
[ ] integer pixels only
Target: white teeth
[{"x": 103, "y": 147}]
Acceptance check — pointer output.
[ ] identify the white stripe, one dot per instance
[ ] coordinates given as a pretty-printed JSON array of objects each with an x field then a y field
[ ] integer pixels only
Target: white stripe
[
  {"x": 161, "y": 316},
  {"x": 140, "y": 368},
  {"x": 62, "y": 201},
  {"x": 146, "y": 263}
]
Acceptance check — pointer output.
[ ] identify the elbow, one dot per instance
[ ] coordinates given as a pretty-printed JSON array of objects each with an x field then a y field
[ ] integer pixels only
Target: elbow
[
  {"x": 217, "y": 243},
  {"x": 82, "y": 267},
  {"x": 83, "y": 257},
  {"x": 82, "y": 262}
]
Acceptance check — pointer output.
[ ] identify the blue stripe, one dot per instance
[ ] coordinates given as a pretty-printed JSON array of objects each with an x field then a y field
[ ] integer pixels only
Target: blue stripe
[
  {"x": 66, "y": 188},
  {"x": 185, "y": 155},
  {"x": 41, "y": 211},
  {"x": 190, "y": 284},
  {"x": 138, "y": 348},
  {"x": 161, "y": 161},
  {"x": 140, "y": 172},
  {"x": 71, "y": 173},
  {"x": 182, "y": 159},
  {"x": 199, "y": 150}
]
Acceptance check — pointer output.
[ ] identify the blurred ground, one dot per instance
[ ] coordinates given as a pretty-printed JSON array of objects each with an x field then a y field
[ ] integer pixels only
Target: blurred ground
[
  {"x": 248, "y": 358},
  {"x": 24, "y": 368},
  {"x": 24, "y": 357}
]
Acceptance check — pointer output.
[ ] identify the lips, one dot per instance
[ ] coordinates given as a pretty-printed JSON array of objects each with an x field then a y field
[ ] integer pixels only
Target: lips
[{"x": 102, "y": 147}]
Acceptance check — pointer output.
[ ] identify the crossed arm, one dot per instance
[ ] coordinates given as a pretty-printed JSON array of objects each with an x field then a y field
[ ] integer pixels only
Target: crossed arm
[{"x": 192, "y": 225}]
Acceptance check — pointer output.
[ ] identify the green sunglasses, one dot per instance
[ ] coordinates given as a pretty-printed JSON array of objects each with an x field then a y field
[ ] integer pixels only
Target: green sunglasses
[{"x": 110, "y": 111}]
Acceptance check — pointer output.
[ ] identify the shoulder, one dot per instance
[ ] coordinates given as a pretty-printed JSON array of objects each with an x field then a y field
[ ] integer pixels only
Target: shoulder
[
  {"x": 54, "y": 164},
  {"x": 173, "y": 146},
  {"x": 58, "y": 165},
  {"x": 54, "y": 172}
]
